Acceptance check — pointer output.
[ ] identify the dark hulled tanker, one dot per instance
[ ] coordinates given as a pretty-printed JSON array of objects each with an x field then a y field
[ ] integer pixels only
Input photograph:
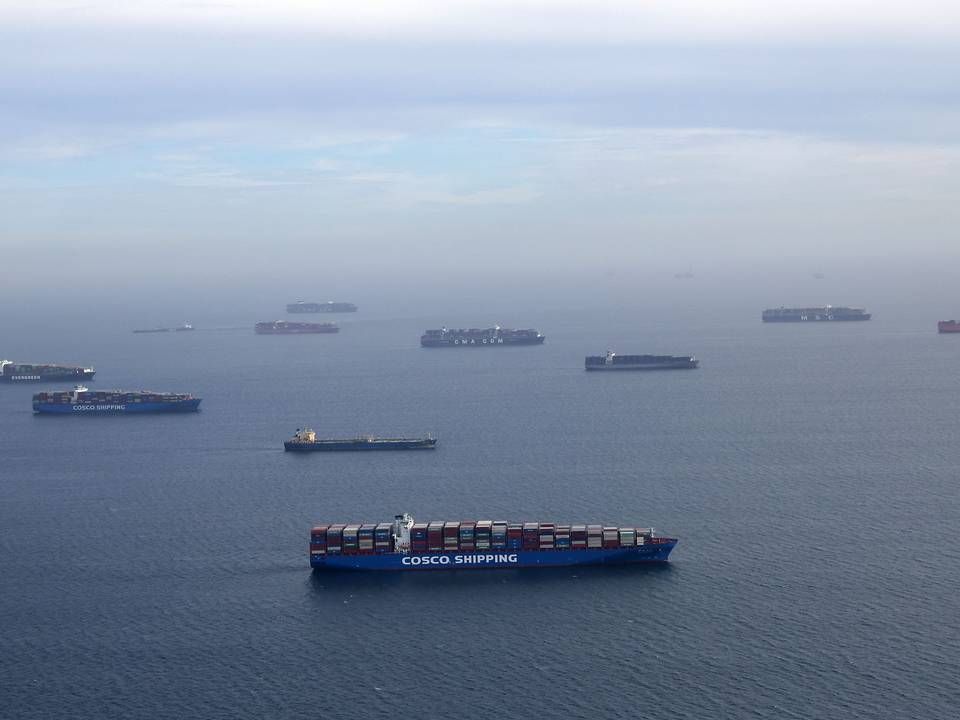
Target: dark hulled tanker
[{"x": 476, "y": 544}]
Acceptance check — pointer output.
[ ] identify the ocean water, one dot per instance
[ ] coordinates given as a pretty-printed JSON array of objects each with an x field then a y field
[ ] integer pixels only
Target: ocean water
[{"x": 156, "y": 567}]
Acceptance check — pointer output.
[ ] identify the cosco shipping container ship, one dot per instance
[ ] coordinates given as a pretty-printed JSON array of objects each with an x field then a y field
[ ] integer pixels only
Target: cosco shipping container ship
[
  {"x": 474, "y": 337},
  {"x": 82, "y": 401},
  {"x": 477, "y": 544},
  {"x": 827, "y": 313},
  {"x": 12, "y": 372}
]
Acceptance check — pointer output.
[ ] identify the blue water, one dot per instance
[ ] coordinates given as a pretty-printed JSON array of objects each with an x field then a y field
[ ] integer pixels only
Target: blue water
[{"x": 156, "y": 567}]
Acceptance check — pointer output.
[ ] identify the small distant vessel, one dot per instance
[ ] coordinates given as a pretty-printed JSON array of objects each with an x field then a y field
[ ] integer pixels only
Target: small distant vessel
[
  {"x": 480, "y": 545},
  {"x": 152, "y": 330},
  {"x": 83, "y": 401},
  {"x": 827, "y": 313},
  {"x": 282, "y": 327},
  {"x": 948, "y": 326},
  {"x": 13, "y": 372},
  {"x": 475, "y": 337},
  {"x": 687, "y": 275},
  {"x": 327, "y": 307},
  {"x": 612, "y": 361},
  {"x": 306, "y": 441},
  {"x": 184, "y": 327}
]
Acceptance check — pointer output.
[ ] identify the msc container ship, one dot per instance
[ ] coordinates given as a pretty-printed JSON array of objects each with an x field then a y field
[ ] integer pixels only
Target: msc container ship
[
  {"x": 827, "y": 313},
  {"x": 82, "y": 401},
  {"x": 327, "y": 307},
  {"x": 476, "y": 544},
  {"x": 612, "y": 361},
  {"x": 306, "y": 441},
  {"x": 475, "y": 337},
  {"x": 12, "y": 372},
  {"x": 948, "y": 326},
  {"x": 281, "y": 327}
]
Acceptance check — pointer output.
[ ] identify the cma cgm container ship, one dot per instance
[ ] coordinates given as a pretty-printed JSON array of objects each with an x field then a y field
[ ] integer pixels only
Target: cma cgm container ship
[
  {"x": 281, "y": 327},
  {"x": 12, "y": 372},
  {"x": 476, "y": 544},
  {"x": 612, "y": 361},
  {"x": 475, "y": 337},
  {"x": 827, "y": 313},
  {"x": 327, "y": 307},
  {"x": 82, "y": 401}
]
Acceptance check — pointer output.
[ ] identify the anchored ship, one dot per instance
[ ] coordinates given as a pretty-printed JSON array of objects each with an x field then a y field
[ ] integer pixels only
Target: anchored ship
[
  {"x": 479, "y": 544},
  {"x": 151, "y": 330},
  {"x": 826, "y": 313},
  {"x": 13, "y": 372},
  {"x": 306, "y": 441},
  {"x": 948, "y": 326},
  {"x": 83, "y": 401},
  {"x": 282, "y": 327},
  {"x": 612, "y": 361},
  {"x": 327, "y": 307},
  {"x": 475, "y": 337}
]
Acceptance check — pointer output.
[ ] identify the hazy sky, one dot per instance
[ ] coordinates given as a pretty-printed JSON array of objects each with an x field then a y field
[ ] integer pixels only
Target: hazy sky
[{"x": 332, "y": 140}]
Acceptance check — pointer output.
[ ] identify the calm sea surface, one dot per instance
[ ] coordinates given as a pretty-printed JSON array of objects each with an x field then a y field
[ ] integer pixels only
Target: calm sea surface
[{"x": 156, "y": 567}]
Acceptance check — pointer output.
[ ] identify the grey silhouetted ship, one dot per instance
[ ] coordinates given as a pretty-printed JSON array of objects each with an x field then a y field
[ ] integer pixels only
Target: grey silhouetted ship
[{"x": 613, "y": 361}]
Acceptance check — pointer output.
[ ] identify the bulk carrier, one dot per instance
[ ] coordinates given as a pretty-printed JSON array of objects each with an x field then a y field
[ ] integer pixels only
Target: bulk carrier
[
  {"x": 475, "y": 337},
  {"x": 281, "y": 327},
  {"x": 612, "y": 361},
  {"x": 12, "y": 372},
  {"x": 827, "y": 313},
  {"x": 479, "y": 544},
  {"x": 306, "y": 440},
  {"x": 82, "y": 401}
]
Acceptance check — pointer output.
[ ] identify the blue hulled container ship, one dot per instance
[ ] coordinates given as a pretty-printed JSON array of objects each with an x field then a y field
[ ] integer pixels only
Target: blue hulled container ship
[
  {"x": 83, "y": 401},
  {"x": 480, "y": 544}
]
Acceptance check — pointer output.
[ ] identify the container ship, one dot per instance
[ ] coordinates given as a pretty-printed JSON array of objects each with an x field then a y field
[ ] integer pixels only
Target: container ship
[
  {"x": 82, "y": 401},
  {"x": 612, "y": 361},
  {"x": 948, "y": 326},
  {"x": 478, "y": 544},
  {"x": 475, "y": 337},
  {"x": 827, "y": 313},
  {"x": 306, "y": 441},
  {"x": 281, "y": 327},
  {"x": 13, "y": 372},
  {"x": 326, "y": 307}
]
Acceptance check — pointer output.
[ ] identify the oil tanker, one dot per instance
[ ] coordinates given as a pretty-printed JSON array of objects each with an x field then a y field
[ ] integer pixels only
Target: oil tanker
[
  {"x": 82, "y": 401},
  {"x": 282, "y": 327},
  {"x": 327, "y": 307},
  {"x": 612, "y": 361},
  {"x": 476, "y": 337},
  {"x": 306, "y": 440},
  {"x": 827, "y": 313},
  {"x": 12, "y": 372},
  {"x": 480, "y": 544}
]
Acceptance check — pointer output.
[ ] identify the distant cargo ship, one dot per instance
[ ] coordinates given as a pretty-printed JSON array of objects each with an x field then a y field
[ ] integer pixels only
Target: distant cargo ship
[
  {"x": 82, "y": 401},
  {"x": 480, "y": 544},
  {"x": 948, "y": 326},
  {"x": 281, "y": 327},
  {"x": 151, "y": 330},
  {"x": 326, "y": 307},
  {"x": 612, "y": 361},
  {"x": 827, "y": 313},
  {"x": 475, "y": 337},
  {"x": 13, "y": 372},
  {"x": 306, "y": 441}
]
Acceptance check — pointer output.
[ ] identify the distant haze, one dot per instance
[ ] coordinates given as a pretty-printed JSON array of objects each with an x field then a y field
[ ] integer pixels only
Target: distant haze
[{"x": 419, "y": 149}]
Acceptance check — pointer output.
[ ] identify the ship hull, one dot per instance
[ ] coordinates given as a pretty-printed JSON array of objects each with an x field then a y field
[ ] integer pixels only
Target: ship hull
[
  {"x": 352, "y": 445},
  {"x": 25, "y": 377},
  {"x": 816, "y": 318},
  {"x": 485, "y": 342},
  {"x": 418, "y": 561},
  {"x": 183, "y": 406},
  {"x": 659, "y": 366},
  {"x": 948, "y": 327}
]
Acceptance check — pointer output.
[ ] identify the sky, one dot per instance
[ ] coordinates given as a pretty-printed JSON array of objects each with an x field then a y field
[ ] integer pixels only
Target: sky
[{"x": 305, "y": 142}]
